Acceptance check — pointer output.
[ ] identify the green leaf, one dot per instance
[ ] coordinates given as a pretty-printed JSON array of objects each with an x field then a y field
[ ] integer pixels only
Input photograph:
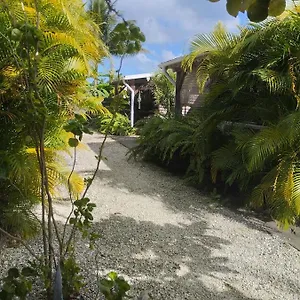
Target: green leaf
[
  {"x": 8, "y": 287},
  {"x": 89, "y": 216},
  {"x": 112, "y": 275},
  {"x": 106, "y": 285},
  {"x": 13, "y": 272},
  {"x": 80, "y": 118},
  {"x": 245, "y": 4},
  {"x": 16, "y": 34},
  {"x": 258, "y": 11},
  {"x": 276, "y": 7},
  {"x": 72, "y": 221},
  {"x": 73, "y": 142},
  {"x": 23, "y": 288},
  {"x": 123, "y": 284},
  {"x": 77, "y": 203},
  {"x": 95, "y": 236},
  {"x": 86, "y": 130},
  {"x": 85, "y": 201},
  {"x": 233, "y": 7},
  {"x": 27, "y": 272},
  {"x": 91, "y": 206}
]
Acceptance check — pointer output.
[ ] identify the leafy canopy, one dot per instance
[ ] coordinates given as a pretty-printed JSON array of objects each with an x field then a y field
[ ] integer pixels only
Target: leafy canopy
[
  {"x": 46, "y": 53},
  {"x": 254, "y": 99},
  {"x": 122, "y": 37},
  {"x": 246, "y": 135},
  {"x": 164, "y": 91}
]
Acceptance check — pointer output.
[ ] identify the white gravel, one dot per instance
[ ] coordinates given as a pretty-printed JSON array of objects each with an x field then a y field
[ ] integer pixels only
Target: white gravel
[{"x": 168, "y": 239}]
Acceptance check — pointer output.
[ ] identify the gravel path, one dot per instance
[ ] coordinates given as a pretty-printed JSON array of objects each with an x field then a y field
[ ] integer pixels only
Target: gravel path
[{"x": 168, "y": 239}]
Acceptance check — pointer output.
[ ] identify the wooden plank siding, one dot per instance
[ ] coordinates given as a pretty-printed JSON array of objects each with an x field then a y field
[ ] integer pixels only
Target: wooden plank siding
[
  {"x": 180, "y": 78},
  {"x": 187, "y": 89},
  {"x": 190, "y": 97}
]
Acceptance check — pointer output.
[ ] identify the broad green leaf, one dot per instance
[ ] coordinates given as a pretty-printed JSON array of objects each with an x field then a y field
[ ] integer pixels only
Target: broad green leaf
[
  {"x": 16, "y": 34},
  {"x": 85, "y": 201},
  {"x": 27, "y": 271},
  {"x": 258, "y": 11},
  {"x": 80, "y": 118},
  {"x": 8, "y": 287},
  {"x": 113, "y": 275},
  {"x": 276, "y": 7},
  {"x": 106, "y": 285},
  {"x": 73, "y": 142},
  {"x": 23, "y": 288},
  {"x": 245, "y": 4},
  {"x": 233, "y": 7},
  {"x": 123, "y": 284},
  {"x": 13, "y": 272}
]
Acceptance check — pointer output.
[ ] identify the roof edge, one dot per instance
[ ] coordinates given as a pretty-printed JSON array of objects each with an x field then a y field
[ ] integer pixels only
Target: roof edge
[{"x": 178, "y": 60}]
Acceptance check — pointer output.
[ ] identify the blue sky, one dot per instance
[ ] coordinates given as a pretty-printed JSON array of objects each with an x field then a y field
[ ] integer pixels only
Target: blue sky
[{"x": 169, "y": 26}]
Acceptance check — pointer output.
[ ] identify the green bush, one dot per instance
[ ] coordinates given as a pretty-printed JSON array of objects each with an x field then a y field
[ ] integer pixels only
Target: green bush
[
  {"x": 206, "y": 154},
  {"x": 117, "y": 124},
  {"x": 245, "y": 138}
]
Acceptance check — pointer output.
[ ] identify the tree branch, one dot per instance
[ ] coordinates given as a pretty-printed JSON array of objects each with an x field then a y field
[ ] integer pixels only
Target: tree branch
[
  {"x": 70, "y": 195},
  {"x": 111, "y": 7}
]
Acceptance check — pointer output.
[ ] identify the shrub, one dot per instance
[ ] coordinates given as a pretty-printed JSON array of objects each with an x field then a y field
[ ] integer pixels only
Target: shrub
[
  {"x": 117, "y": 124},
  {"x": 209, "y": 156}
]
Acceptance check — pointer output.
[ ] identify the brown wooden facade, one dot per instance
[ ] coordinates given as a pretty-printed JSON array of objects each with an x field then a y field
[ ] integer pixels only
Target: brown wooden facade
[{"x": 187, "y": 89}]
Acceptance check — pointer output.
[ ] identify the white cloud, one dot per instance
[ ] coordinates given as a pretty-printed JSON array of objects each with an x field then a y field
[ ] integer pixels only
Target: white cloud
[
  {"x": 175, "y": 20},
  {"x": 167, "y": 55},
  {"x": 142, "y": 63},
  {"x": 142, "y": 57},
  {"x": 169, "y": 26}
]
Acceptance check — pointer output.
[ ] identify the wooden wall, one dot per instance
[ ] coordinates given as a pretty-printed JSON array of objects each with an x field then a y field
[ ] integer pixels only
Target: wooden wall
[{"x": 189, "y": 94}]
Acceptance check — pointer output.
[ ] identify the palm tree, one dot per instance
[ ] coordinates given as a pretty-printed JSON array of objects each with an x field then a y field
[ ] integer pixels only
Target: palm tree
[
  {"x": 103, "y": 17},
  {"x": 254, "y": 80},
  {"x": 47, "y": 50},
  {"x": 164, "y": 92},
  {"x": 122, "y": 37}
]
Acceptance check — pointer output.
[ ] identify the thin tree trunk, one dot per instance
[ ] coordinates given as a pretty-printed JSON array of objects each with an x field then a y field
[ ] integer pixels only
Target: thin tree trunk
[{"x": 179, "y": 82}]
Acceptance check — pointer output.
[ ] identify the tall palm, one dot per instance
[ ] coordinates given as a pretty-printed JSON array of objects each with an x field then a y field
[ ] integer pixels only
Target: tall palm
[
  {"x": 68, "y": 44},
  {"x": 254, "y": 79},
  {"x": 122, "y": 37},
  {"x": 106, "y": 21}
]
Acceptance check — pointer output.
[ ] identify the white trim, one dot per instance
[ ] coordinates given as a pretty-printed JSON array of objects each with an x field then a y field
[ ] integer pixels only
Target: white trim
[
  {"x": 164, "y": 70},
  {"x": 173, "y": 61},
  {"x": 138, "y": 76},
  {"x": 131, "y": 102},
  {"x": 168, "y": 64}
]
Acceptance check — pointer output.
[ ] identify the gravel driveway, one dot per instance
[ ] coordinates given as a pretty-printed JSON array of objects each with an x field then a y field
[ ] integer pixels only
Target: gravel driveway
[{"x": 168, "y": 239}]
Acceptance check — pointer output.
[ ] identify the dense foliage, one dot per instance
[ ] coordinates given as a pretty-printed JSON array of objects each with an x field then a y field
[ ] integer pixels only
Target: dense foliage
[
  {"x": 48, "y": 49},
  {"x": 115, "y": 120},
  {"x": 164, "y": 92},
  {"x": 45, "y": 59},
  {"x": 117, "y": 124},
  {"x": 247, "y": 133},
  {"x": 122, "y": 37}
]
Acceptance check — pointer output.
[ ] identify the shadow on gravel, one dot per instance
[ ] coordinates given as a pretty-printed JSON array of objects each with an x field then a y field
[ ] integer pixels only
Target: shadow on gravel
[
  {"x": 186, "y": 199},
  {"x": 169, "y": 262},
  {"x": 172, "y": 262},
  {"x": 127, "y": 141}
]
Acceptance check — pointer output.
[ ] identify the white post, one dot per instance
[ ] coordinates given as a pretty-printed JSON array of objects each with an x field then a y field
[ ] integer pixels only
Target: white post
[{"x": 131, "y": 103}]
